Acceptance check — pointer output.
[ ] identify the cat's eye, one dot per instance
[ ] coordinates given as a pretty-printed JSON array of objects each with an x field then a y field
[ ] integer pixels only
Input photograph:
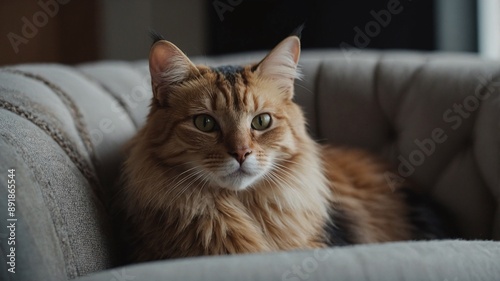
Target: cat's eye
[
  {"x": 205, "y": 123},
  {"x": 261, "y": 121}
]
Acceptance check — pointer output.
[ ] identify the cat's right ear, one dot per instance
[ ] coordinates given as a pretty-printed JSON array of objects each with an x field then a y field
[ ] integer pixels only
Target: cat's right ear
[{"x": 168, "y": 66}]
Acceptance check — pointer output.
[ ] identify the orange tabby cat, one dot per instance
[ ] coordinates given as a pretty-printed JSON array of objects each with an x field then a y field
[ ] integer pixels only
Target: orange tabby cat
[{"x": 224, "y": 165}]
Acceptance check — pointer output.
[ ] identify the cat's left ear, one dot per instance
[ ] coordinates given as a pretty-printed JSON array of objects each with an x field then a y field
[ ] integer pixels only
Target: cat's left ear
[{"x": 281, "y": 63}]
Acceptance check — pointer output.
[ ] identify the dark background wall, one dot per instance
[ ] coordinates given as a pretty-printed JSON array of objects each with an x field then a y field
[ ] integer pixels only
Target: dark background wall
[
  {"x": 66, "y": 33},
  {"x": 74, "y": 31},
  {"x": 258, "y": 24}
]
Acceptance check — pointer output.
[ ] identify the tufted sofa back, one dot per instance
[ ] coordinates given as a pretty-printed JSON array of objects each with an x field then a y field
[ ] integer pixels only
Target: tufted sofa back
[{"x": 436, "y": 117}]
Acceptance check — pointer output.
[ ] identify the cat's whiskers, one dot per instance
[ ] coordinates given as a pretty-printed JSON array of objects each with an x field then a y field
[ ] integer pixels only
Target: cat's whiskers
[
  {"x": 165, "y": 171},
  {"x": 267, "y": 181},
  {"x": 205, "y": 180},
  {"x": 202, "y": 178},
  {"x": 283, "y": 185},
  {"x": 290, "y": 172},
  {"x": 276, "y": 197},
  {"x": 286, "y": 183},
  {"x": 304, "y": 87},
  {"x": 179, "y": 175},
  {"x": 197, "y": 174},
  {"x": 283, "y": 169},
  {"x": 185, "y": 178},
  {"x": 282, "y": 179},
  {"x": 295, "y": 163},
  {"x": 167, "y": 190},
  {"x": 121, "y": 187}
]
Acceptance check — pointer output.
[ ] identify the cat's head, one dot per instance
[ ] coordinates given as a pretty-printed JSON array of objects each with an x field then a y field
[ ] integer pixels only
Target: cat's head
[{"x": 230, "y": 127}]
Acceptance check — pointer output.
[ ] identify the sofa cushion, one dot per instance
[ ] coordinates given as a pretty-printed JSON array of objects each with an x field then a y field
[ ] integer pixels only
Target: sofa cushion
[{"x": 410, "y": 261}]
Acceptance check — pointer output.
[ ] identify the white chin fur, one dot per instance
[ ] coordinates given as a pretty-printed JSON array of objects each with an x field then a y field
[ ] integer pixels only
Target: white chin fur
[
  {"x": 234, "y": 178},
  {"x": 236, "y": 183}
]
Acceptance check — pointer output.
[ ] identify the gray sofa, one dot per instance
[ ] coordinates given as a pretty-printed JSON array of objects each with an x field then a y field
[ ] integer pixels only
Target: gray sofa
[{"x": 435, "y": 116}]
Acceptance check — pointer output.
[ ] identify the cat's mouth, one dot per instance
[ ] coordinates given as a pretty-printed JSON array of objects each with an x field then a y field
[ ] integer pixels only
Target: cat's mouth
[
  {"x": 240, "y": 172},
  {"x": 238, "y": 179}
]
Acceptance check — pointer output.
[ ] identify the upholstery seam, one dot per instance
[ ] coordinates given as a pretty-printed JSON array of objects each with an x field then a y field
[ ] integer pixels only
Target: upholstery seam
[
  {"x": 405, "y": 89},
  {"x": 64, "y": 143},
  {"x": 376, "y": 93},
  {"x": 71, "y": 268},
  {"x": 111, "y": 94},
  {"x": 78, "y": 119}
]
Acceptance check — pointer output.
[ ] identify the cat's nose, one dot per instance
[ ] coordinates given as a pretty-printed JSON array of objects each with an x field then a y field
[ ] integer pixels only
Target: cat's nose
[{"x": 241, "y": 154}]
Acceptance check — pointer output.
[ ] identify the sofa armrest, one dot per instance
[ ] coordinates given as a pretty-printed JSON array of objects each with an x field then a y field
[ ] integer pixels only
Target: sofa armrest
[{"x": 444, "y": 260}]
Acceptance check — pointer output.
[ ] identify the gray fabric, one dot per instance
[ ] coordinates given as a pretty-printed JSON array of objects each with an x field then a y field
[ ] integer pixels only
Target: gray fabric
[
  {"x": 29, "y": 225},
  {"x": 410, "y": 261},
  {"x": 106, "y": 124},
  {"x": 60, "y": 229},
  {"x": 62, "y": 224},
  {"x": 62, "y": 129},
  {"x": 130, "y": 88}
]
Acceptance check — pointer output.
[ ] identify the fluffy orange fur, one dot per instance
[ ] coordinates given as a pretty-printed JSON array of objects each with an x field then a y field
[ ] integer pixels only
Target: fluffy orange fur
[{"x": 237, "y": 189}]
